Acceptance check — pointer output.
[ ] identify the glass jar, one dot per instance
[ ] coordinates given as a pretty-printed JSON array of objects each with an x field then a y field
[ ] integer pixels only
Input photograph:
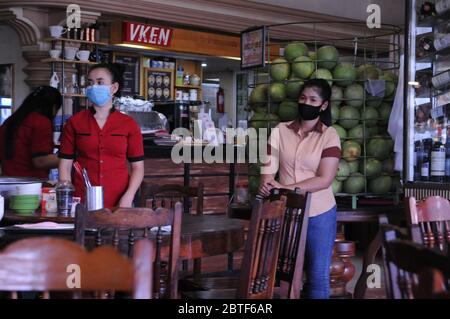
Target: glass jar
[
  {"x": 242, "y": 192},
  {"x": 64, "y": 197}
]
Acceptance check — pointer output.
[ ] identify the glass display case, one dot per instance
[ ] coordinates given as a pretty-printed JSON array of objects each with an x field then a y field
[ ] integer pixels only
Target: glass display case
[{"x": 427, "y": 99}]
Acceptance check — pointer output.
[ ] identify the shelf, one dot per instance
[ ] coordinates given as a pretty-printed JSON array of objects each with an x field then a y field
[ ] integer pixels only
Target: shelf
[
  {"x": 198, "y": 102},
  {"x": 73, "y": 95},
  {"x": 432, "y": 56},
  {"x": 51, "y": 60},
  {"x": 188, "y": 87},
  {"x": 432, "y": 21},
  {"x": 75, "y": 41}
]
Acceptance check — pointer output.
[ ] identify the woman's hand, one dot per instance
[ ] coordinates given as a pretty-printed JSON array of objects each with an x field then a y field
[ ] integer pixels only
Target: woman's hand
[
  {"x": 126, "y": 201},
  {"x": 275, "y": 184},
  {"x": 266, "y": 187}
]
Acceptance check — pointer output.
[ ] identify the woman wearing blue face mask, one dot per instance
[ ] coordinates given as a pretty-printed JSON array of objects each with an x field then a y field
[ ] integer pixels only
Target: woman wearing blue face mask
[{"x": 104, "y": 141}]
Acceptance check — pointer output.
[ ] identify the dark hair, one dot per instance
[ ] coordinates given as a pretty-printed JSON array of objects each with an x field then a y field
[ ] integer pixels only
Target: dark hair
[
  {"x": 42, "y": 100},
  {"x": 323, "y": 88},
  {"x": 116, "y": 70}
]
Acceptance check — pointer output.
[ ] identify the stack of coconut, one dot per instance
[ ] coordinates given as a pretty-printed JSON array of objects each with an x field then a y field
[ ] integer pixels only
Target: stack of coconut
[{"x": 359, "y": 118}]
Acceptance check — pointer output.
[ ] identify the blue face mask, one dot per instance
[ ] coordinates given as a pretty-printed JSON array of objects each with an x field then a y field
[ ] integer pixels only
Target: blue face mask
[{"x": 98, "y": 94}]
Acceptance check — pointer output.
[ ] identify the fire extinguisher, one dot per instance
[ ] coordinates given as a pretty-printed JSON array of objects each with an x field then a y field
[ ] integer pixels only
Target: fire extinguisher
[{"x": 220, "y": 101}]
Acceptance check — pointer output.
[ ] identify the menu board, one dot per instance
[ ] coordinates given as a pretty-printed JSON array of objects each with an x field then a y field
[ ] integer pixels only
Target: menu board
[
  {"x": 159, "y": 84},
  {"x": 253, "y": 48},
  {"x": 131, "y": 75}
]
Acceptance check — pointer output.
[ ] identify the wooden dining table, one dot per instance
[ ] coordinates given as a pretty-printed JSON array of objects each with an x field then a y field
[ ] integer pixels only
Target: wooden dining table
[{"x": 201, "y": 235}]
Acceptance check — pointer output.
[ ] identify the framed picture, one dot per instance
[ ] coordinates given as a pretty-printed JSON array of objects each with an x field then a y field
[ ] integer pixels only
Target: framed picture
[
  {"x": 6, "y": 85},
  {"x": 159, "y": 84},
  {"x": 253, "y": 48}
]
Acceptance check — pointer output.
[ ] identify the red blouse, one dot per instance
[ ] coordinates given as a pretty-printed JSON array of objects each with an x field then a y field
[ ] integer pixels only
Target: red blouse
[
  {"x": 33, "y": 138},
  {"x": 102, "y": 152}
]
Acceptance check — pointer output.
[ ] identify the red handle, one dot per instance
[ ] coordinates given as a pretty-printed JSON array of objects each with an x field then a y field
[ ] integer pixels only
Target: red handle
[{"x": 78, "y": 169}]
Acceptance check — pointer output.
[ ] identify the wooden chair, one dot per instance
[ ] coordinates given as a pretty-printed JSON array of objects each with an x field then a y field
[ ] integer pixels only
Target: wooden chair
[
  {"x": 121, "y": 228},
  {"x": 257, "y": 274},
  {"x": 51, "y": 264},
  {"x": 391, "y": 232},
  {"x": 293, "y": 241},
  {"x": 413, "y": 259},
  {"x": 289, "y": 274},
  {"x": 429, "y": 220},
  {"x": 432, "y": 285},
  {"x": 154, "y": 196}
]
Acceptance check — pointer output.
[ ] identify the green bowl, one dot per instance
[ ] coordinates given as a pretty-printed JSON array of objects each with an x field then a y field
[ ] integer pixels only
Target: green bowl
[
  {"x": 24, "y": 197},
  {"x": 23, "y": 205},
  {"x": 24, "y": 212},
  {"x": 25, "y": 202}
]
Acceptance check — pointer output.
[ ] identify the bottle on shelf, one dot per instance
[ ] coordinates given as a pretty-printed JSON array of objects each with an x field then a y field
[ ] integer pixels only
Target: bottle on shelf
[
  {"x": 447, "y": 156},
  {"x": 418, "y": 158},
  {"x": 87, "y": 33},
  {"x": 440, "y": 80},
  {"x": 438, "y": 159},
  {"x": 180, "y": 74},
  {"x": 425, "y": 46},
  {"x": 427, "y": 9},
  {"x": 83, "y": 84},
  {"x": 441, "y": 39},
  {"x": 425, "y": 167},
  {"x": 184, "y": 115},
  {"x": 93, "y": 32},
  {"x": 54, "y": 81},
  {"x": 69, "y": 33},
  {"x": 442, "y": 6},
  {"x": 75, "y": 87},
  {"x": 83, "y": 32},
  {"x": 75, "y": 34}
]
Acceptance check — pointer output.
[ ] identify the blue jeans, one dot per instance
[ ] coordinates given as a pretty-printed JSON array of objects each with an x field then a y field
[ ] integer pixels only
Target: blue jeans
[{"x": 319, "y": 248}]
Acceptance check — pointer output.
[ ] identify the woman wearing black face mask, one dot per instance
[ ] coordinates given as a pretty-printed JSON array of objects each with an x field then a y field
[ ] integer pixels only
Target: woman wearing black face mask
[{"x": 306, "y": 153}]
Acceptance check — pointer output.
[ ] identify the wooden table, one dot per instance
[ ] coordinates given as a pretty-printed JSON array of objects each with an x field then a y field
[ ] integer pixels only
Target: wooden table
[
  {"x": 393, "y": 214},
  {"x": 201, "y": 235}
]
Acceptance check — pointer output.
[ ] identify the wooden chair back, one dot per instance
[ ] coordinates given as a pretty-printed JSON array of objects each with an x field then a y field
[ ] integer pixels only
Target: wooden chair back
[
  {"x": 432, "y": 285},
  {"x": 121, "y": 227},
  {"x": 154, "y": 196},
  {"x": 291, "y": 256},
  {"x": 48, "y": 265},
  {"x": 411, "y": 259},
  {"x": 389, "y": 233},
  {"x": 430, "y": 221},
  {"x": 257, "y": 275}
]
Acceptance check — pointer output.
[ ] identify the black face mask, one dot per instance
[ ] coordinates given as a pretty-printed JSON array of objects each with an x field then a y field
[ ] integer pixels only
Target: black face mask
[{"x": 308, "y": 112}]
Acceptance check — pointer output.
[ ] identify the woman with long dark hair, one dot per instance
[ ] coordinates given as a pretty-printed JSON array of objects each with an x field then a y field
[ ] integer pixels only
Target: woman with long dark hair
[
  {"x": 104, "y": 141},
  {"x": 26, "y": 137},
  {"x": 306, "y": 153}
]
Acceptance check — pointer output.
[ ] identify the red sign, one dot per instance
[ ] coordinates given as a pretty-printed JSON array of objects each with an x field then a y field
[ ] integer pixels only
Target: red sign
[{"x": 147, "y": 34}]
